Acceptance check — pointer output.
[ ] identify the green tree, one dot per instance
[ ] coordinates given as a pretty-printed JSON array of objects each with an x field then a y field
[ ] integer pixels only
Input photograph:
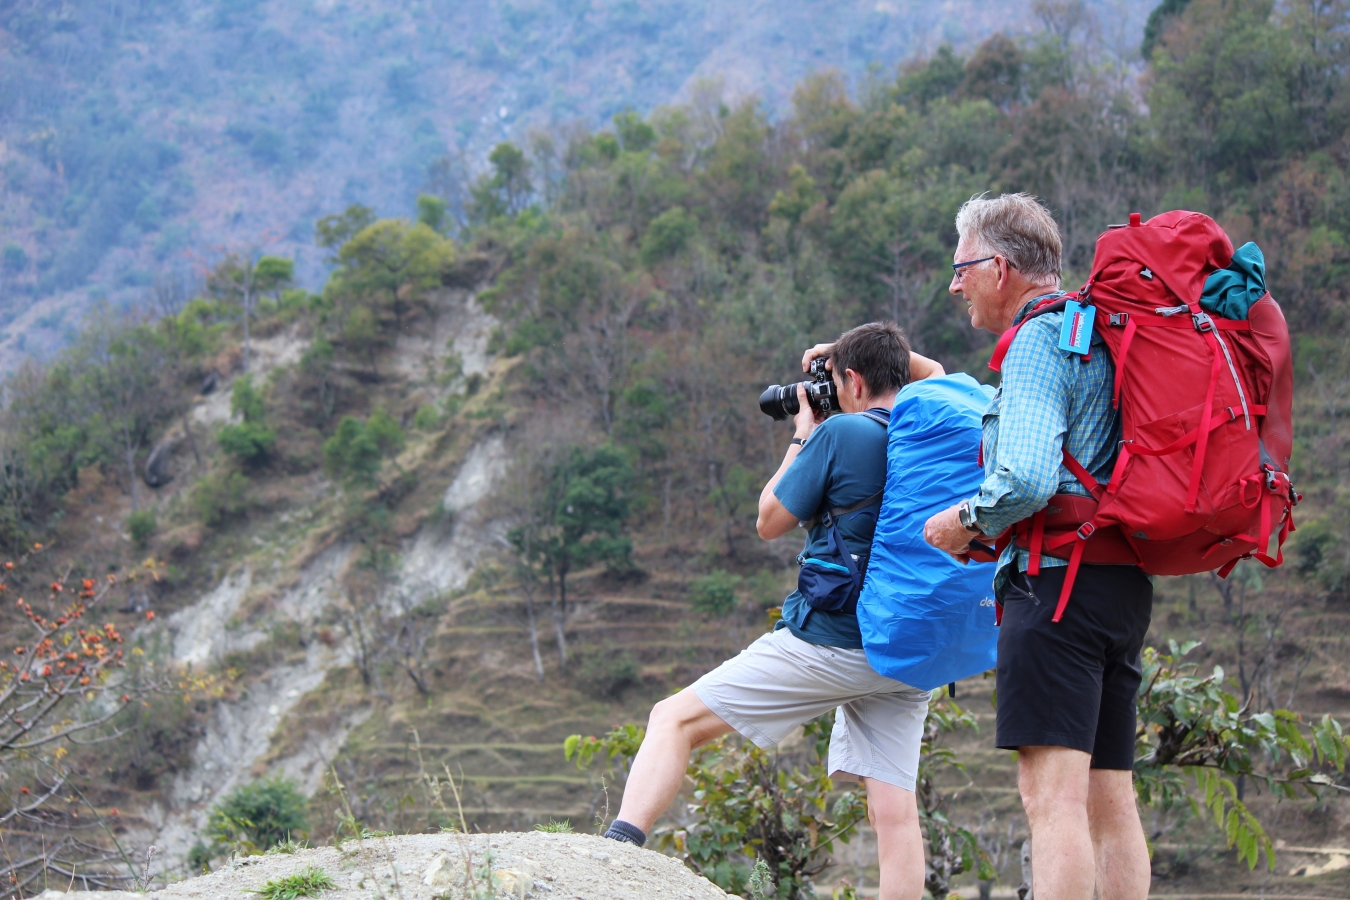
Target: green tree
[
  {"x": 391, "y": 264},
  {"x": 249, "y": 441},
  {"x": 506, "y": 190},
  {"x": 578, "y": 517},
  {"x": 332, "y": 231},
  {"x": 356, "y": 449},
  {"x": 431, "y": 212}
]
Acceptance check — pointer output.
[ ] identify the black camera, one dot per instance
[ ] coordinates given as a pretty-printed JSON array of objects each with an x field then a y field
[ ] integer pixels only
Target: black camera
[{"x": 779, "y": 401}]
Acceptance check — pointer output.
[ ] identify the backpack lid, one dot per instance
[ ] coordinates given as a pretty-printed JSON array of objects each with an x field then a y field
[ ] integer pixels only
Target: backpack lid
[{"x": 1182, "y": 248}]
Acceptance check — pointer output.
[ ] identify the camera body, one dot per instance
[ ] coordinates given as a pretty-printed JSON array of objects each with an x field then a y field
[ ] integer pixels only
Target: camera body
[{"x": 779, "y": 401}]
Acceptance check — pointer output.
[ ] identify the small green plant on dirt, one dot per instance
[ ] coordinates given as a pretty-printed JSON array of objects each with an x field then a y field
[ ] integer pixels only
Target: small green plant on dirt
[
  {"x": 555, "y": 827},
  {"x": 714, "y": 594},
  {"x": 256, "y": 817},
  {"x": 287, "y": 847},
  {"x": 760, "y": 881},
  {"x": 141, "y": 526},
  {"x": 310, "y": 881}
]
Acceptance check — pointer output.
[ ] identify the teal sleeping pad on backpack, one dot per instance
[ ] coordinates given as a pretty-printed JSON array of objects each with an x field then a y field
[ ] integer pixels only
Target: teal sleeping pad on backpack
[{"x": 926, "y": 619}]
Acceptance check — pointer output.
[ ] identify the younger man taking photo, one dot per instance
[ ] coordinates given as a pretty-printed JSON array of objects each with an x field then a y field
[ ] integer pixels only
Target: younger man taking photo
[{"x": 814, "y": 661}]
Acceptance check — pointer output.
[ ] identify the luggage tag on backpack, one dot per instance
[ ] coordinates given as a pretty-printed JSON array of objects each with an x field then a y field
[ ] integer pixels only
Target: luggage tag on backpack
[{"x": 1076, "y": 333}]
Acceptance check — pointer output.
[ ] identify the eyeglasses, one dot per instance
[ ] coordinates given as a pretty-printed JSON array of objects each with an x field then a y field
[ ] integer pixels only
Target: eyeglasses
[{"x": 957, "y": 267}]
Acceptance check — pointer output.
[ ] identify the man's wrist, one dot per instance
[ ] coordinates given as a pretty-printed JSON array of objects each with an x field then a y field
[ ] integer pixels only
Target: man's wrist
[
  {"x": 965, "y": 514},
  {"x": 797, "y": 442}
]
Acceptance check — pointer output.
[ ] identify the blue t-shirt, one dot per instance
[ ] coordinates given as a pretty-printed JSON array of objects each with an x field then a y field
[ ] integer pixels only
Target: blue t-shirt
[{"x": 843, "y": 462}]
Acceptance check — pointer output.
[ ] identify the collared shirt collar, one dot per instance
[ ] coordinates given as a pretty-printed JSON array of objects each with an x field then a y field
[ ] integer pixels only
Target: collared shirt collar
[{"x": 1027, "y": 307}]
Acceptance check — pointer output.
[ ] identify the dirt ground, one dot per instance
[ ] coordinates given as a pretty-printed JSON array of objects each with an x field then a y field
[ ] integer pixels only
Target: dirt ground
[{"x": 453, "y": 867}]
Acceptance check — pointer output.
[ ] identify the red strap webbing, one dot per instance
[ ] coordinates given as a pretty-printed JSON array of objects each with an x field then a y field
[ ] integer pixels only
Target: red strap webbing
[
  {"x": 1202, "y": 441},
  {"x": 1131, "y": 327},
  {"x": 1070, "y": 576},
  {"x": 1034, "y": 545},
  {"x": 1186, "y": 322}
]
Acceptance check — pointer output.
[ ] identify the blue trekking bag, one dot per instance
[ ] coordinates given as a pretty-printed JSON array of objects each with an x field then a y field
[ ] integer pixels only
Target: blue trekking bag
[{"x": 926, "y": 619}]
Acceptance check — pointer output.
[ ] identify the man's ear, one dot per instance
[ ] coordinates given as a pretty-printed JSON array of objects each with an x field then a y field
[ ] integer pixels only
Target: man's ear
[{"x": 855, "y": 383}]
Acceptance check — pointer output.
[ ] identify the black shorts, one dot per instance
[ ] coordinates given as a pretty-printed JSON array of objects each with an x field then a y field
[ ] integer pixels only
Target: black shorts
[{"x": 1073, "y": 683}]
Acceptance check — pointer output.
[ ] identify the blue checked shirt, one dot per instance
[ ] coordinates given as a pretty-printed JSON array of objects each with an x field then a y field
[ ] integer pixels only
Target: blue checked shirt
[{"x": 1049, "y": 399}]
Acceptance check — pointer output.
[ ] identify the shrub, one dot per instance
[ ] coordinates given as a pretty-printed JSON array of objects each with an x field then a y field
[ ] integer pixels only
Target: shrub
[
  {"x": 714, "y": 594},
  {"x": 427, "y": 418},
  {"x": 220, "y": 496},
  {"x": 385, "y": 432},
  {"x": 246, "y": 401},
  {"x": 606, "y": 674},
  {"x": 354, "y": 451},
  {"x": 248, "y": 442},
  {"x": 258, "y": 816},
  {"x": 141, "y": 525}
]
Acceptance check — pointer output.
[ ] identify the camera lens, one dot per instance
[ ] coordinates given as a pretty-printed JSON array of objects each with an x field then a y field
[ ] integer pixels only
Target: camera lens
[{"x": 779, "y": 401}]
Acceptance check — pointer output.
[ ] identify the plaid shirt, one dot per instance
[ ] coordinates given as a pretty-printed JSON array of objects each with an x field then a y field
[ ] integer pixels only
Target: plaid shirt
[{"x": 1049, "y": 399}]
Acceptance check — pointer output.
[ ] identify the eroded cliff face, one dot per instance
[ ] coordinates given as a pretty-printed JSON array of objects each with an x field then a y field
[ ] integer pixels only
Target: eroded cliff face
[{"x": 293, "y": 582}]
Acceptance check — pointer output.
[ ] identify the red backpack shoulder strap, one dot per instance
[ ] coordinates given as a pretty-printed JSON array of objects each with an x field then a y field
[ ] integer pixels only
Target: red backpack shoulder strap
[{"x": 1048, "y": 305}]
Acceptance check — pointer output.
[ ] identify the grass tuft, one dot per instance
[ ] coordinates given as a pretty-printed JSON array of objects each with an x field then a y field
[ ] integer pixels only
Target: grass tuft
[
  {"x": 555, "y": 827},
  {"x": 287, "y": 846},
  {"x": 308, "y": 882}
]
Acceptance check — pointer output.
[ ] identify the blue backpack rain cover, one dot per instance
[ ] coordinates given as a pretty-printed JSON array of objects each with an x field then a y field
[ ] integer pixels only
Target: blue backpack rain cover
[{"x": 926, "y": 619}]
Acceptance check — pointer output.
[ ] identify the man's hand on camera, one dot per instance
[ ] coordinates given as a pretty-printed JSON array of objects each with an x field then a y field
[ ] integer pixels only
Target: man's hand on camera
[
  {"x": 807, "y": 418},
  {"x": 817, "y": 351},
  {"x": 945, "y": 532}
]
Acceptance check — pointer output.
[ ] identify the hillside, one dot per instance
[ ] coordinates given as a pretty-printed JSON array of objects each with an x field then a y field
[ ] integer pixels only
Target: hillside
[
  {"x": 140, "y": 142},
  {"x": 491, "y": 486}
]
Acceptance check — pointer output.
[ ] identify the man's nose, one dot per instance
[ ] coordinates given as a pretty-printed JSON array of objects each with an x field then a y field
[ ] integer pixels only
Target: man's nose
[{"x": 955, "y": 287}]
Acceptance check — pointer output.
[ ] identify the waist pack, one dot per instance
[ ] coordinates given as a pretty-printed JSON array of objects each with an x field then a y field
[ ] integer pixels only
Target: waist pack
[
  {"x": 1202, "y": 479},
  {"x": 926, "y": 619},
  {"x": 832, "y": 582}
]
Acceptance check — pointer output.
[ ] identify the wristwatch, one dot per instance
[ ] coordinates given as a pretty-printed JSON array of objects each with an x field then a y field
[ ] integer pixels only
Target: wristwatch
[
  {"x": 966, "y": 513},
  {"x": 800, "y": 442}
]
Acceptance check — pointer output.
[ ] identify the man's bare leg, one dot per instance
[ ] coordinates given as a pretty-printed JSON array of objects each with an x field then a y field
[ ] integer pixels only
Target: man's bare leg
[
  {"x": 675, "y": 727},
  {"x": 1123, "y": 869},
  {"x": 1054, "y": 783},
  {"x": 894, "y": 815}
]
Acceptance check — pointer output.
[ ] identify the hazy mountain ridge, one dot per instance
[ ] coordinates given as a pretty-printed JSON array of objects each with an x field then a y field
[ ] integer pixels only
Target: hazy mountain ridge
[{"x": 140, "y": 139}]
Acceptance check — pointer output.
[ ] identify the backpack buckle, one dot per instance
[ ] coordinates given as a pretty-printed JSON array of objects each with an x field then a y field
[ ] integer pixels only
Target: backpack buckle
[
  {"x": 1202, "y": 322},
  {"x": 1086, "y": 531},
  {"x": 1118, "y": 319}
]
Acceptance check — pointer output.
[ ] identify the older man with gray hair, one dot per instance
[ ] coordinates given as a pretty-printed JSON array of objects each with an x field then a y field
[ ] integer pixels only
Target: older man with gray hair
[{"x": 1066, "y": 690}]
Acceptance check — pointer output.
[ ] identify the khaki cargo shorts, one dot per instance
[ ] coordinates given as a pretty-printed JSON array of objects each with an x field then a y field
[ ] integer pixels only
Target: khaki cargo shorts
[{"x": 780, "y": 682}]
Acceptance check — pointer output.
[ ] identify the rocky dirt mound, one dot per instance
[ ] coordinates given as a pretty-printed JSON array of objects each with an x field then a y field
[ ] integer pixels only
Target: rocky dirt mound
[{"x": 453, "y": 867}]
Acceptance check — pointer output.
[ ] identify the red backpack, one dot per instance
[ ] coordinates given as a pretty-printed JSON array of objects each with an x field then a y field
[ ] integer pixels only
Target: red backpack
[{"x": 1202, "y": 476}]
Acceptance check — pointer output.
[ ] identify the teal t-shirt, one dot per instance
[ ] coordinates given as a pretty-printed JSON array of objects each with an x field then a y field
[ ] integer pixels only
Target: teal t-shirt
[{"x": 843, "y": 462}]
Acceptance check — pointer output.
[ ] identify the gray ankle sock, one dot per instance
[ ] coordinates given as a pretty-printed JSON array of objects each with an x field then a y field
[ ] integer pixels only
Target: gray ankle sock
[{"x": 620, "y": 830}]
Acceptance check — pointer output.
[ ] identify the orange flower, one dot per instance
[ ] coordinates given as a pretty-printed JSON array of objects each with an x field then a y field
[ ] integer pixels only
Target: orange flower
[
  {"x": 19, "y": 651},
  {"x": 84, "y": 680},
  {"x": 113, "y": 811},
  {"x": 23, "y": 790},
  {"x": 89, "y": 584},
  {"x": 149, "y": 615},
  {"x": 56, "y": 587},
  {"x": 126, "y": 699},
  {"x": 9, "y": 565}
]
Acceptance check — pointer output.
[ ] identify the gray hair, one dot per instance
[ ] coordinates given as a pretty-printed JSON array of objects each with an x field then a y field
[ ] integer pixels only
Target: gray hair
[{"x": 1017, "y": 227}]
